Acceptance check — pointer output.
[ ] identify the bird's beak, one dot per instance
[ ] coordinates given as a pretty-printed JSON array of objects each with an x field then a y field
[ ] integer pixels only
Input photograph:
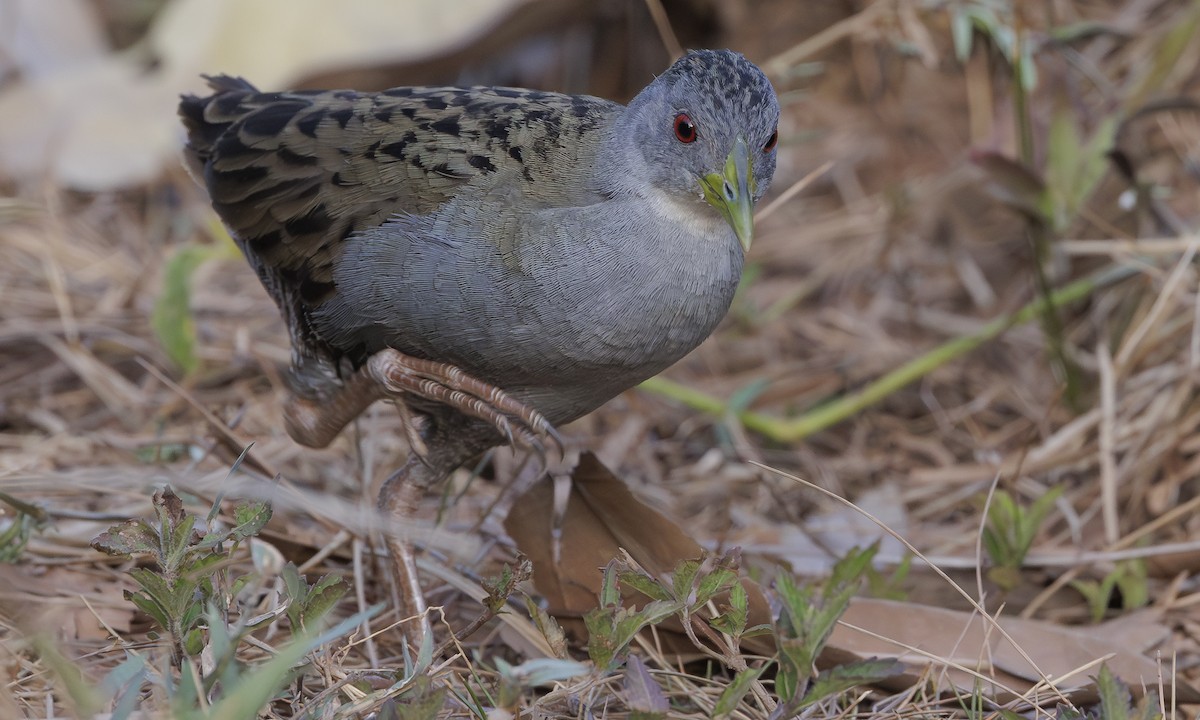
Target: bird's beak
[{"x": 732, "y": 192}]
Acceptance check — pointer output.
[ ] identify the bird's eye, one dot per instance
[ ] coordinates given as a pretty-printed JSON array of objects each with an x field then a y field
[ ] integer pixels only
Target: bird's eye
[
  {"x": 685, "y": 129},
  {"x": 771, "y": 141}
]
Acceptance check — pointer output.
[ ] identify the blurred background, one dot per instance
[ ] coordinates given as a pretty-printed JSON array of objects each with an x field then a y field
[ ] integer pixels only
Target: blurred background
[
  {"x": 1007, "y": 192},
  {"x": 108, "y": 71}
]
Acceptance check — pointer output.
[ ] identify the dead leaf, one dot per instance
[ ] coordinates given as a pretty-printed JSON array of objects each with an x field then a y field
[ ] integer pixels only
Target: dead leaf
[
  {"x": 968, "y": 640},
  {"x": 602, "y": 518}
]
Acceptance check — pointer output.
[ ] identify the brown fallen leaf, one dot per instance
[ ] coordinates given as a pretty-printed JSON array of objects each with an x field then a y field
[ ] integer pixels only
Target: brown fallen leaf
[
  {"x": 968, "y": 640},
  {"x": 602, "y": 518},
  {"x": 53, "y": 601}
]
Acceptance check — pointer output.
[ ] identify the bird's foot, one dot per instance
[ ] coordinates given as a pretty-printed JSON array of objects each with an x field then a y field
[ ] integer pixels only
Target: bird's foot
[
  {"x": 400, "y": 376},
  {"x": 390, "y": 374}
]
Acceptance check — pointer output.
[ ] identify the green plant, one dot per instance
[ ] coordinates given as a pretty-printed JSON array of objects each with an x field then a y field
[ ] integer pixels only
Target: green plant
[
  {"x": 171, "y": 318},
  {"x": 891, "y": 585},
  {"x": 515, "y": 680},
  {"x": 177, "y": 590},
  {"x": 807, "y": 616},
  {"x": 1129, "y": 577},
  {"x": 612, "y": 626},
  {"x": 191, "y": 592},
  {"x": 18, "y": 526},
  {"x": 1010, "y": 531},
  {"x": 1116, "y": 703},
  {"x": 308, "y": 604},
  {"x": 828, "y": 414}
]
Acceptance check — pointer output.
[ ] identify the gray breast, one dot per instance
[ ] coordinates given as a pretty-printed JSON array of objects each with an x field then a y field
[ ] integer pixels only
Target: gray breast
[{"x": 588, "y": 302}]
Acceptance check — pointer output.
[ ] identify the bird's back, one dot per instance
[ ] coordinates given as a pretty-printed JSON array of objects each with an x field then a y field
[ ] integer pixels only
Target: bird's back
[{"x": 297, "y": 175}]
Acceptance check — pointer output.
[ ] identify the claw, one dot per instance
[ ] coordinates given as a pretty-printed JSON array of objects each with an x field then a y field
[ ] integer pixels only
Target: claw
[
  {"x": 549, "y": 431},
  {"x": 506, "y": 429},
  {"x": 395, "y": 376},
  {"x": 389, "y": 374},
  {"x": 415, "y": 442}
]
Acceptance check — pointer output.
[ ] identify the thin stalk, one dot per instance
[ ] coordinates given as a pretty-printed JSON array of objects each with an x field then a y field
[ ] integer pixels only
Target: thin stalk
[{"x": 787, "y": 430}]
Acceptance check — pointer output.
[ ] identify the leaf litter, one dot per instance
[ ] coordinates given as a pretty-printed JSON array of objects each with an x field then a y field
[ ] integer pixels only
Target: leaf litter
[{"x": 903, "y": 244}]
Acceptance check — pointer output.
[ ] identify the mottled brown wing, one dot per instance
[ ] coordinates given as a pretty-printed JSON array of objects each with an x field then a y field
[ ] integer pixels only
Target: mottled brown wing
[{"x": 294, "y": 174}]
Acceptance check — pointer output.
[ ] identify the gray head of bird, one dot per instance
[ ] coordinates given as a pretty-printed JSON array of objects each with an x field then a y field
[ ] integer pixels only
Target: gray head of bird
[{"x": 705, "y": 131}]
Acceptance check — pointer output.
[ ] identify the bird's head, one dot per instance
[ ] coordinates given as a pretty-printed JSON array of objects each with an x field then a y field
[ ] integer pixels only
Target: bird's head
[{"x": 706, "y": 130}]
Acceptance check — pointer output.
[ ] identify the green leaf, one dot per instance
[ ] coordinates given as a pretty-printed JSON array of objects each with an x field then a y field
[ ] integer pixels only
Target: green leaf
[
  {"x": 549, "y": 628},
  {"x": 193, "y": 642},
  {"x": 808, "y": 616},
  {"x": 733, "y": 694},
  {"x": 787, "y": 681},
  {"x": 177, "y": 543},
  {"x": 296, "y": 590},
  {"x": 256, "y": 688},
  {"x": 683, "y": 578},
  {"x": 1114, "y": 696},
  {"x": 843, "y": 677},
  {"x": 153, "y": 584},
  {"x": 1148, "y": 708},
  {"x": 171, "y": 318},
  {"x": 602, "y": 646},
  {"x": 1038, "y": 512},
  {"x": 422, "y": 701},
  {"x": 1063, "y": 163},
  {"x": 962, "y": 32},
  {"x": 733, "y": 620},
  {"x": 199, "y": 565},
  {"x": 994, "y": 547},
  {"x": 249, "y": 519},
  {"x": 852, "y": 568},
  {"x": 1084, "y": 30},
  {"x": 322, "y": 598},
  {"x": 1025, "y": 66},
  {"x": 1094, "y": 162},
  {"x": 130, "y": 675},
  {"x": 499, "y": 589},
  {"x": 132, "y": 537},
  {"x": 152, "y": 608},
  {"x": 655, "y": 612},
  {"x": 1066, "y": 712},
  {"x": 610, "y": 587},
  {"x": 1166, "y": 54},
  {"x": 611, "y": 629},
  {"x": 1131, "y": 580},
  {"x": 713, "y": 583},
  {"x": 646, "y": 585}
]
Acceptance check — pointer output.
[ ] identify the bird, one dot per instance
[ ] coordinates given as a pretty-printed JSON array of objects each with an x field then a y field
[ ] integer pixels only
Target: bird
[{"x": 497, "y": 261}]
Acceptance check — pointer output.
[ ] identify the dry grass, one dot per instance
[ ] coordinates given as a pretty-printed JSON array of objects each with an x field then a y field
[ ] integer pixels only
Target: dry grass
[{"x": 900, "y": 247}]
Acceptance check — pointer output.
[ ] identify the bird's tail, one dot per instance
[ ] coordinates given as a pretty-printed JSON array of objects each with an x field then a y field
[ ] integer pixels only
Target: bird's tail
[{"x": 206, "y": 118}]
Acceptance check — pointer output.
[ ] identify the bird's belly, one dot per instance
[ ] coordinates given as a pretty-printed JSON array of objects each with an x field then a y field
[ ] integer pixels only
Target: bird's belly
[
  {"x": 565, "y": 326},
  {"x": 601, "y": 343}
]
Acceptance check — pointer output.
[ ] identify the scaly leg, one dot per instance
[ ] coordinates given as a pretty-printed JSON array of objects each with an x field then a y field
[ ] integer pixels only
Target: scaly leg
[
  {"x": 389, "y": 374},
  {"x": 452, "y": 439},
  {"x": 394, "y": 375}
]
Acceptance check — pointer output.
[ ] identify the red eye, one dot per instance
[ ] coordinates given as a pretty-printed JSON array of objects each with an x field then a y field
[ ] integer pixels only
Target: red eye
[
  {"x": 685, "y": 129},
  {"x": 771, "y": 142}
]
